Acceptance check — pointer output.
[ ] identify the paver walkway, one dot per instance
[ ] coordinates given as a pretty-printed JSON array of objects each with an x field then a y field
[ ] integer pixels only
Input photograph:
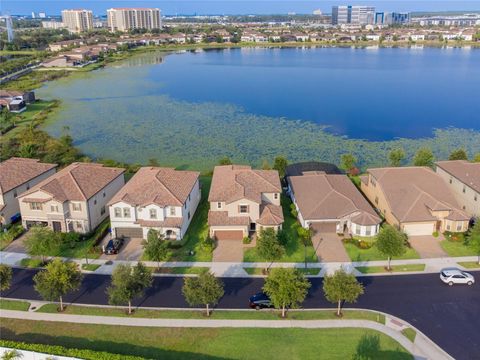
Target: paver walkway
[
  {"x": 427, "y": 246},
  {"x": 423, "y": 348},
  {"x": 329, "y": 248}
]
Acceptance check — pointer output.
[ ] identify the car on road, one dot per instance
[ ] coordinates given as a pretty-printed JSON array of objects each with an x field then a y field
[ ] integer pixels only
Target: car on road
[
  {"x": 113, "y": 246},
  {"x": 260, "y": 301},
  {"x": 453, "y": 276}
]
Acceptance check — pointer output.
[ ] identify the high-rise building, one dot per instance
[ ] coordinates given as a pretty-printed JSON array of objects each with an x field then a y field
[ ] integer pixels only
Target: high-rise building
[
  {"x": 356, "y": 15},
  {"x": 397, "y": 18},
  {"x": 124, "y": 19},
  {"x": 77, "y": 20},
  {"x": 42, "y": 14}
]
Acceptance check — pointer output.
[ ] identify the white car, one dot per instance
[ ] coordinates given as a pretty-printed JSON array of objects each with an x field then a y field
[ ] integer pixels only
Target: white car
[{"x": 456, "y": 276}]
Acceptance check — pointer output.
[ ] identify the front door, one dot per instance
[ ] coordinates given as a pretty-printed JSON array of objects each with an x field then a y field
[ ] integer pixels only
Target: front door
[
  {"x": 253, "y": 226},
  {"x": 57, "y": 226}
]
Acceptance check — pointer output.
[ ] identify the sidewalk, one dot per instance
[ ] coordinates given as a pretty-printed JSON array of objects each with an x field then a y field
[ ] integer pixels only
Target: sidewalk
[
  {"x": 236, "y": 269},
  {"x": 421, "y": 348}
]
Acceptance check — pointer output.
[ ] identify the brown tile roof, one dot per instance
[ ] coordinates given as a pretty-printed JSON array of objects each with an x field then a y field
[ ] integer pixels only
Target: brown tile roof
[
  {"x": 413, "y": 192},
  {"x": 17, "y": 171},
  {"x": 270, "y": 215},
  {"x": 467, "y": 172},
  {"x": 77, "y": 182},
  {"x": 322, "y": 196},
  {"x": 221, "y": 218},
  {"x": 175, "y": 222},
  {"x": 235, "y": 182},
  {"x": 160, "y": 186}
]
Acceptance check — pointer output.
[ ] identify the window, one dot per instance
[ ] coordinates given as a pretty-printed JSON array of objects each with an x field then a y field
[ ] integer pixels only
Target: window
[
  {"x": 185, "y": 205},
  {"x": 173, "y": 211},
  {"x": 189, "y": 215},
  {"x": 76, "y": 207},
  {"x": 78, "y": 225},
  {"x": 372, "y": 181},
  {"x": 118, "y": 212},
  {"x": 35, "y": 206},
  {"x": 475, "y": 197},
  {"x": 357, "y": 230},
  {"x": 188, "y": 197},
  {"x": 459, "y": 226},
  {"x": 376, "y": 200},
  {"x": 104, "y": 194},
  {"x": 219, "y": 205},
  {"x": 368, "y": 231},
  {"x": 448, "y": 227},
  {"x": 451, "y": 180},
  {"x": 153, "y": 213},
  {"x": 95, "y": 202},
  {"x": 14, "y": 193},
  {"x": 463, "y": 190},
  {"x": 275, "y": 196},
  {"x": 102, "y": 210},
  {"x": 243, "y": 209},
  {"x": 54, "y": 208},
  {"x": 28, "y": 186},
  {"x": 126, "y": 212}
]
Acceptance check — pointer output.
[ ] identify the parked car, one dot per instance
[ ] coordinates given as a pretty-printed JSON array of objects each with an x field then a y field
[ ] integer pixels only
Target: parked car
[
  {"x": 113, "y": 246},
  {"x": 452, "y": 276},
  {"x": 260, "y": 301}
]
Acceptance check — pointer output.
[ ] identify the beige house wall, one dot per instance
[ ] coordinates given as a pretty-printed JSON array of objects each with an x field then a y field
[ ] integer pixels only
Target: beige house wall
[{"x": 376, "y": 196}]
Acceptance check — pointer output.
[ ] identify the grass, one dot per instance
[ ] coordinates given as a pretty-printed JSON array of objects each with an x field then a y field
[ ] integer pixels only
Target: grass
[
  {"x": 14, "y": 305},
  {"x": 395, "y": 268},
  {"x": 456, "y": 248},
  {"x": 357, "y": 254},
  {"x": 179, "y": 270},
  {"x": 260, "y": 271},
  {"x": 410, "y": 334},
  {"x": 205, "y": 343},
  {"x": 469, "y": 264},
  {"x": 294, "y": 250},
  {"x": 216, "y": 314},
  {"x": 90, "y": 267},
  {"x": 32, "y": 263}
]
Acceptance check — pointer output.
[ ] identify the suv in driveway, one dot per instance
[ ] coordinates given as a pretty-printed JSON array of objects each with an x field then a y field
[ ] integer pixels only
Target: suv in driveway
[
  {"x": 260, "y": 301},
  {"x": 113, "y": 246},
  {"x": 456, "y": 276}
]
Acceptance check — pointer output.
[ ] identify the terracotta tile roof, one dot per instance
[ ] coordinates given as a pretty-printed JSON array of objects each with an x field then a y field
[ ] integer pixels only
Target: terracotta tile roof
[
  {"x": 221, "y": 218},
  {"x": 322, "y": 197},
  {"x": 160, "y": 186},
  {"x": 17, "y": 171},
  {"x": 270, "y": 215},
  {"x": 235, "y": 182},
  {"x": 175, "y": 222},
  {"x": 467, "y": 172},
  {"x": 413, "y": 192},
  {"x": 77, "y": 182}
]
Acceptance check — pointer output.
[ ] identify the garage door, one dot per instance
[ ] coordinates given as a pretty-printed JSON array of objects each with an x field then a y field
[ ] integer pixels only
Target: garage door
[
  {"x": 419, "y": 229},
  {"x": 129, "y": 232},
  {"x": 325, "y": 227},
  {"x": 223, "y": 235}
]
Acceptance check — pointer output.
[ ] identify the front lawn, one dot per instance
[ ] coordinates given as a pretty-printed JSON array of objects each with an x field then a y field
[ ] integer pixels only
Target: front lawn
[
  {"x": 261, "y": 271},
  {"x": 456, "y": 248},
  {"x": 294, "y": 249},
  {"x": 470, "y": 264},
  {"x": 371, "y": 254},
  {"x": 410, "y": 334},
  {"x": 6, "y": 304},
  {"x": 179, "y": 270},
  {"x": 206, "y": 343},
  {"x": 90, "y": 267},
  {"x": 394, "y": 268},
  {"x": 32, "y": 263}
]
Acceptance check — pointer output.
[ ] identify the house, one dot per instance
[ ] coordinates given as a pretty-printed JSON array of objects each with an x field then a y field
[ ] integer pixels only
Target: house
[
  {"x": 27, "y": 96},
  {"x": 414, "y": 199},
  {"x": 18, "y": 175},
  {"x": 73, "y": 199},
  {"x": 332, "y": 203},
  {"x": 243, "y": 200},
  {"x": 463, "y": 178},
  {"x": 157, "y": 198}
]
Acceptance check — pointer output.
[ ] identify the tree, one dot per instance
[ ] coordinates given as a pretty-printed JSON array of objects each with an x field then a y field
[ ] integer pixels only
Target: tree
[
  {"x": 280, "y": 164},
  {"x": 474, "y": 239},
  {"x": 41, "y": 241},
  {"x": 458, "y": 154},
  {"x": 391, "y": 242},
  {"x": 5, "y": 277},
  {"x": 423, "y": 157},
  {"x": 476, "y": 158},
  {"x": 156, "y": 247},
  {"x": 305, "y": 236},
  {"x": 225, "y": 161},
  {"x": 348, "y": 162},
  {"x": 128, "y": 283},
  {"x": 396, "y": 157},
  {"x": 287, "y": 288},
  {"x": 341, "y": 287},
  {"x": 57, "y": 280},
  {"x": 268, "y": 246},
  {"x": 205, "y": 289}
]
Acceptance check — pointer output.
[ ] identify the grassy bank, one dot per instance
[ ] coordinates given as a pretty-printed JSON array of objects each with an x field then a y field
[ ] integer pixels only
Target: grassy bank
[
  {"x": 372, "y": 254},
  {"x": 18, "y": 305},
  {"x": 205, "y": 343},
  {"x": 394, "y": 268},
  {"x": 261, "y": 271}
]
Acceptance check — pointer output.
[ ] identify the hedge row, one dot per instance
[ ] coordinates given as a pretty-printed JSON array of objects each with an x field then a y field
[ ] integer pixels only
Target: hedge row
[{"x": 63, "y": 351}]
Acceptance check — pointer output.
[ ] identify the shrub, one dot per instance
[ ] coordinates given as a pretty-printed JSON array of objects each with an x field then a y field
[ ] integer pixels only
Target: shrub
[
  {"x": 247, "y": 240},
  {"x": 293, "y": 210},
  {"x": 173, "y": 244},
  {"x": 435, "y": 234},
  {"x": 282, "y": 237},
  {"x": 208, "y": 244}
]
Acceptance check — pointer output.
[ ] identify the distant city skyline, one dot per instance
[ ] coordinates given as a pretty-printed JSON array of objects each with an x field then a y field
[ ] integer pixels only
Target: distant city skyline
[{"x": 229, "y": 7}]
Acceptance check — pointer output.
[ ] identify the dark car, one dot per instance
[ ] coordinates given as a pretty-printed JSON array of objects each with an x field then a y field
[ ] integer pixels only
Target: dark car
[
  {"x": 113, "y": 246},
  {"x": 260, "y": 301}
]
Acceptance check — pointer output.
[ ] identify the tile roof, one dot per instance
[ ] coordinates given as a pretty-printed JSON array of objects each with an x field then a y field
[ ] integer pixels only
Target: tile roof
[
  {"x": 467, "y": 172},
  {"x": 235, "y": 182},
  {"x": 413, "y": 192},
  {"x": 77, "y": 182},
  {"x": 221, "y": 218},
  {"x": 17, "y": 171},
  {"x": 270, "y": 215},
  {"x": 160, "y": 186},
  {"x": 323, "y": 196}
]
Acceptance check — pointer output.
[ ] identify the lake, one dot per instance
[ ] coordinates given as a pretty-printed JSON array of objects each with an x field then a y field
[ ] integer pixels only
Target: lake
[{"x": 153, "y": 104}]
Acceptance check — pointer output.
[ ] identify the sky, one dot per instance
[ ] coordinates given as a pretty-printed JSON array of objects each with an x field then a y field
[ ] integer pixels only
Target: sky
[{"x": 190, "y": 7}]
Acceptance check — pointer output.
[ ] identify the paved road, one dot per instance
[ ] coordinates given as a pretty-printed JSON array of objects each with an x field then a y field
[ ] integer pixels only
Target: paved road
[{"x": 450, "y": 316}]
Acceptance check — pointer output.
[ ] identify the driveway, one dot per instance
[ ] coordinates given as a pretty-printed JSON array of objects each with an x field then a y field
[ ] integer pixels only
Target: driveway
[
  {"x": 228, "y": 250},
  {"x": 132, "y": 249},
  {"x": 329, "y": 248},
  {"x": 427, "y": 246},
  {"x": 17, "y": 245}
]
